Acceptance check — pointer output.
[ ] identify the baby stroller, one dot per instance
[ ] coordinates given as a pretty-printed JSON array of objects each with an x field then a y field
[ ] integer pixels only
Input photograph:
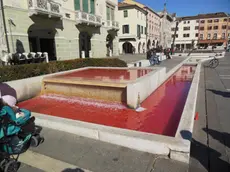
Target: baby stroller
[{"x": 16, "y": 136}]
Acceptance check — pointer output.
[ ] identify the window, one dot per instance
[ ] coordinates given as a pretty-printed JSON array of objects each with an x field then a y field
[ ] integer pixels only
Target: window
[
  {"x": 125, "y": 13},
  {"x": 173, "y": 29},
  {"x": 110, "y": 13},
  {"x": 197, "y": 34},
  {"x": 216, "y": 20},
  {"x": 188, "y": 21},
  {"x": 201, "y": 36},
  {"x": 225, "y": 20},
  {"x": 125, "y": 29},
  {"x": 209, "y": 21},
  {"x": 202, "y": 21},
  {"x": 215, "y": 36},
  {"x": 215, "y": 27},
  {"x": 201, "y": 28},
  {"x": 186, "y": 28},
  {"x": 196, "y": 27},
  {"x": 209, "y": 36},
  {"x": 77, "y": 4},
  {"x": 224, "y": 27},
  {"x": 184, "y": 22},
  {"x": 223, "y": 36},
  {"x": 228, "y": 35},
  {"x": 186, "y": 35},
  {"x": 197, "y": 21},
  {"x": 142, "y": 30},
  {"x": 176, "y": 36},
  {"x": 138, "y": 30},
  {"x": 137, "y": 14},
  {"x": 209, "y": 27}
]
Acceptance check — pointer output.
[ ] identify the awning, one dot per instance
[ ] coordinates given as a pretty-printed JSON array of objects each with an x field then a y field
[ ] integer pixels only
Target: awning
[{"x": 211, "y": 41}]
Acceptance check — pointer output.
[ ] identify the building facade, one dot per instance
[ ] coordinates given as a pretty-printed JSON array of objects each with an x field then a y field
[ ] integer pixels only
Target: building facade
[
  {"x": 166, "y": 23},
  {"x": 214, "y": 29},
  {"x": 187, "y": 32},
  {"x": 65, "y": 29},
  {"x": 153, "y": 28},
  {"x": 203, "y": 30},
  {"x": 153, "y": 24},
  {"x": 132, "y": 33}
]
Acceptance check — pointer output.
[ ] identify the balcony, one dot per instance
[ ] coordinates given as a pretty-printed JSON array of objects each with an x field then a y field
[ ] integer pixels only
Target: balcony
[
  {"x": 44, "y": 7},
  {"x": 88, "y": 19},
  {"x": 112, "y": 25}
]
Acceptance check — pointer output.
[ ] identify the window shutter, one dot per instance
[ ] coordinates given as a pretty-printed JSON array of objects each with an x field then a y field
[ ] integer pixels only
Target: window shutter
[
  {"x": 108, "y": 13},
  {"x": 77, "y": 4},
  {"x": 92, "y": 6},
  {"x": 85, "y": 6}
]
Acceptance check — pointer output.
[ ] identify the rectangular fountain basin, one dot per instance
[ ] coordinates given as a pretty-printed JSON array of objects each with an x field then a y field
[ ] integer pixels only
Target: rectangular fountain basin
[{"x": 121, "y": 85}]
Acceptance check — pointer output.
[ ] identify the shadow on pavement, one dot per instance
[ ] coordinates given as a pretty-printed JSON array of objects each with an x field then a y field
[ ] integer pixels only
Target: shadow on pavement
[
  {"x": 221, "y": 93},
  {"x": 222, "y": 137},
  {"x": 73, "y": 170},
  {"x": 204, "y": 153}
]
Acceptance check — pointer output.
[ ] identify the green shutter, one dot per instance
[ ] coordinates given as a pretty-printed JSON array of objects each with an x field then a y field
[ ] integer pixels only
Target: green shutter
[
  {"x": 108, "y": 12},
  {"x": 85, "y": 6},
  {"x": 77, "y": 4},
  {"x": 92, "y": 6},
  {"x": 112, "y": 14}
]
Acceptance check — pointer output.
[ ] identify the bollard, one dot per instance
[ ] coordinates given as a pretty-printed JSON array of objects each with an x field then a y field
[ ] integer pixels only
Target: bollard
[
  {"x": 46, "y": 56},
  {"x": 90, "y": 54},
  {"x": 83, "y": 54}
]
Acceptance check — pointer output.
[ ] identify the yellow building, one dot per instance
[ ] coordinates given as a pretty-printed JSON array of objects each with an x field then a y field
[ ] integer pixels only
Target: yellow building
[{"x": 214, "y": 29}]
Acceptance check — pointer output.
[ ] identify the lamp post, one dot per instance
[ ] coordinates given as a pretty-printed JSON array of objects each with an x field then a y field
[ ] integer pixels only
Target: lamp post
[
  {"x": 4, "y": 25},
  {"x": 174, "y": 36}
]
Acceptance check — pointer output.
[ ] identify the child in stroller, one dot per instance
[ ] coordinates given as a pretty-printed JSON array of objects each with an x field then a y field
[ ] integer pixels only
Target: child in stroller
[{"x": 17, "y": 134}]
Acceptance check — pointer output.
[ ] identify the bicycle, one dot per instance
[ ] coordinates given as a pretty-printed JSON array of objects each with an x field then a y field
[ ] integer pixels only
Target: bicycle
[{"x": 214, "y": 62}]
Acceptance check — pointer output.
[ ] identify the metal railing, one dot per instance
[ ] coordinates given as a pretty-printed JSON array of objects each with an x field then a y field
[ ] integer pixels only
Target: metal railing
[
  {"x": 83, "y": 17},
  {"x": 50, "y": 7},
  {"x": 112, "y": 24}
]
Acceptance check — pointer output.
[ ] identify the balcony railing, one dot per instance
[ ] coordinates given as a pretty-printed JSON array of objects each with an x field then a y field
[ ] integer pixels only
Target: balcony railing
[
  {"x": 86, "y": 18},
  {"x": 113, "y": 25},
  {"x": 45, "y": 7}
]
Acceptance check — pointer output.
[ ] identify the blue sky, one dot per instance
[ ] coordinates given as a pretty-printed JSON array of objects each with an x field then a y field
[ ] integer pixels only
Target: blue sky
[{"x": 189, "y": 7}]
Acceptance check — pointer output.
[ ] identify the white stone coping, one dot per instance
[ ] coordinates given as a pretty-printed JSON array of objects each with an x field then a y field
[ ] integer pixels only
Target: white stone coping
[
  {"x": 142, "y": 87},
  {"x": 29, "y": 87},
  {"x": 146, "y": 142},
  {"x": 187, "y": 117}
]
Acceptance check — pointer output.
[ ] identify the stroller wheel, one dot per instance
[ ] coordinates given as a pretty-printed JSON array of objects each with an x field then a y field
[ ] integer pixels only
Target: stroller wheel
[
  {"x": 12, "y": 166},
  {"x": 34, "y": 141},
  {"x": 2, "y": 164}
]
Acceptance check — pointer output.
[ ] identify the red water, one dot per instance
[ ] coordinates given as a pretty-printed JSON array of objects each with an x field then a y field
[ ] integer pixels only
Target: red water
[
  {"x": 112, "y": 75},
  {"x": 162, "y": 115}
]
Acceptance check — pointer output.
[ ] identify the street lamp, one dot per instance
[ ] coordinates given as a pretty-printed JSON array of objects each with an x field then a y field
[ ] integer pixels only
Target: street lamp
[{"x": 174, "y": 36}]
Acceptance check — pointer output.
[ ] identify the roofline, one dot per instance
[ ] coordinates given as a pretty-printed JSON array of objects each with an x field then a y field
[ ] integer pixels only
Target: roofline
[
  {"x": 132, "y": 6},
  {"x": 202, "y": 16},
  {"x": 152, "y": 10}
]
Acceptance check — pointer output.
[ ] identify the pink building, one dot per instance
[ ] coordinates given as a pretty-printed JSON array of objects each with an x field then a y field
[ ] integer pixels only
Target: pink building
[{"x": 153, "y": 28}]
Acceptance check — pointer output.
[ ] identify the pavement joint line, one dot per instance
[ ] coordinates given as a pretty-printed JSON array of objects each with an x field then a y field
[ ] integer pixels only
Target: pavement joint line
[
  {"x": 225, "y": 78},
  {"x": 46, "y": 163}
]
